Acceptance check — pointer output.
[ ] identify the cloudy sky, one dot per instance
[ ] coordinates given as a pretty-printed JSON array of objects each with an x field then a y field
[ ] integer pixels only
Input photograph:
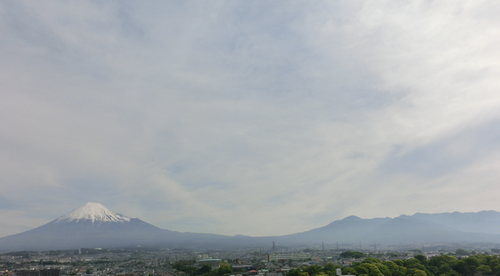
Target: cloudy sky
[{"x": 248, "y": 117}]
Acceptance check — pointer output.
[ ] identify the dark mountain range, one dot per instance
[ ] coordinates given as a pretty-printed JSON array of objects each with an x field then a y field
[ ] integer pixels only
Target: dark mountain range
[
  {"x": 350, "y": 229},
  {"x": 93, "y": 225},
  {"x": 420, "y": 228},
  {"x": 480, "y": 222}
]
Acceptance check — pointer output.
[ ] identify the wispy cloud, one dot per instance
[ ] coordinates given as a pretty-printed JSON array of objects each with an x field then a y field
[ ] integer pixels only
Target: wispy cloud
[{"x": 209, "y": 117}]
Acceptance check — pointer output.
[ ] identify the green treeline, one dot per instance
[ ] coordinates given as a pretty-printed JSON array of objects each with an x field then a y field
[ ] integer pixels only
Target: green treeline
[
  {"x": 443, "y": 265},
  {"x": 206, "y": 270}
]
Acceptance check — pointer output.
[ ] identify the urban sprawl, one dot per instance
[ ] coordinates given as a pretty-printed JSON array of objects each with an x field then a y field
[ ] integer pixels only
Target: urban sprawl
[{"x": 255, "y": 261}]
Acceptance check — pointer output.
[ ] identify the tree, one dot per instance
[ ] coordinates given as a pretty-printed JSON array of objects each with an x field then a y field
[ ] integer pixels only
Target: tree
[
  {"x": 348, "y": 270},
  {"x": 461, "y": 252},
  {"x": 313, "y": 270},
  {"x": 472, "y": 261},
  {"x": 399, "y": 262},
  {"x": 369, "y": 269},
  {"x": 383, "y": 269},
  {"x": 224, "y": 269},
  {"x": 461, "y": 268},
  {"x": 419, "y": 272},
  {"x": 371, "y": 260},
  {"x": 294, "y": 272},
  {"x": 438, "y": 261},
  {"x": 444, "y": 269},
  {"x": 204, "y": 269},
  {"x": 494, "y": 263},
  {"x": 496, "y": 270},
  {"x": 391, "y": 265},
  {"x": 484, "y": 269},
  {"x": 331, "y": 269},
  {"x": 422, "y": 259}
]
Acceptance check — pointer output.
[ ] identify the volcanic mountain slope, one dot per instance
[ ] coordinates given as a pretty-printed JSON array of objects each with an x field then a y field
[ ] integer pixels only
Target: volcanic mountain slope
[
  {"x": 91, "y": 225},
  {"x": 94, "y": 225}
]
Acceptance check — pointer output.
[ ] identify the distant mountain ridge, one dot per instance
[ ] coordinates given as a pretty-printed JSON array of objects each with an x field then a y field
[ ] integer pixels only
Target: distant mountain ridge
[
  {"x": 480, "y": 222},
  {"x": 94, "y": 225},
  {"x": 482, "y": 226}
]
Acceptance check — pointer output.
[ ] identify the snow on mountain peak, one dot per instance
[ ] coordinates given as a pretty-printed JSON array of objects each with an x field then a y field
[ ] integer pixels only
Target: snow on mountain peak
[{"x": 94, "y": 212}]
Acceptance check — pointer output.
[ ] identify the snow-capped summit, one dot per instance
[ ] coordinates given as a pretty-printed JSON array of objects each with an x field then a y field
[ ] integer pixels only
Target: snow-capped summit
[
  {"x": 94, "y": 212},
  {"x": 91, "y": 225}
]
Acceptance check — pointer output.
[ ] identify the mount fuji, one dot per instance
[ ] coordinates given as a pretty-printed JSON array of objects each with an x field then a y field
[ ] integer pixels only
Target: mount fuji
[{"x": 93, "y": 225}]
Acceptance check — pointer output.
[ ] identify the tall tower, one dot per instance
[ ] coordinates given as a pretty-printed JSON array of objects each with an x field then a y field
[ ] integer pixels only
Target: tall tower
[{"x": 274, "y": 248}]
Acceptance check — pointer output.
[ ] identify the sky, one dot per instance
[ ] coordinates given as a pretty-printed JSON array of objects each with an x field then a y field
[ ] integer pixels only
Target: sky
[{"x": 248, "y": 117}]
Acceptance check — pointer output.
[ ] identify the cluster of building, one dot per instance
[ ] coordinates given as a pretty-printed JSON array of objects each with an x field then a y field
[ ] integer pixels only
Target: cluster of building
[{"x": 159, "y": 262}]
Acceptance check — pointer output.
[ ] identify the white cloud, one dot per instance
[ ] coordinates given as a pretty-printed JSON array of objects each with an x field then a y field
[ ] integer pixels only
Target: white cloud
[{"x": 196, "y": 116}]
